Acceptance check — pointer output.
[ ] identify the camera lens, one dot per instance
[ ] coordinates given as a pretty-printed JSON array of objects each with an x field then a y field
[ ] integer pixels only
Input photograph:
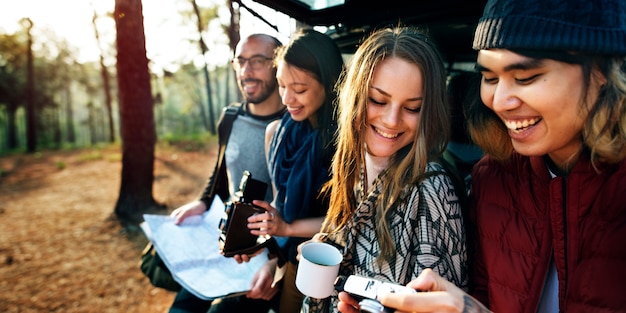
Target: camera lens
[{"x": 371, "y": 306}]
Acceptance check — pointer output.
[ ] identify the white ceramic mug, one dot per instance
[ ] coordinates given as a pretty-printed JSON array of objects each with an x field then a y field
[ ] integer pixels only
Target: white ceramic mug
[{"x": 317, "y": 269}]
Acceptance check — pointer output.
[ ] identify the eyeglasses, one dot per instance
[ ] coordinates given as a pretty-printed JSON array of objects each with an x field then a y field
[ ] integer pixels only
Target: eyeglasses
[{"x": 256, "y": 62}]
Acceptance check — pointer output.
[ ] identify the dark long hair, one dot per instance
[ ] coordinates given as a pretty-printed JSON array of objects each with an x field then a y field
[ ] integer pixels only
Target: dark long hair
[{"x": 318, "y": 54}]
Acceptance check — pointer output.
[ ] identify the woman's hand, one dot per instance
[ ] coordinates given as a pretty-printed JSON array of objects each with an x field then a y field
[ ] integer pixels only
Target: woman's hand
[
  {"x": 268, "y": 223},
  {"x": 316, "y": 238},
  {"x": 438, "y": 295},
  {"x": 190, "y": 209}
]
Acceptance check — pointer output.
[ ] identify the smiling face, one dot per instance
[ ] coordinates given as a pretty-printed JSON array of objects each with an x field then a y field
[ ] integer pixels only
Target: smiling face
[
  {"x": 538, "y": 101},
  {"x": 256, "y": 84},
  {"x": 300, "y": 91},
  {"x": 393, "y": 108}
]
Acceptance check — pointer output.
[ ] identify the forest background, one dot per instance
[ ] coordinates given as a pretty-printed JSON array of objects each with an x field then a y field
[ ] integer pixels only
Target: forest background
[
  {"x": 75, "y": 105},
  {"x": 49, "y": 99},
  {"x": 88, "y": 147}
]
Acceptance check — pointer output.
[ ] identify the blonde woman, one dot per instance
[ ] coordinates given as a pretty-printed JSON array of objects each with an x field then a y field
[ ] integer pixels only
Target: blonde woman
[{"x": 393, "y": 208}]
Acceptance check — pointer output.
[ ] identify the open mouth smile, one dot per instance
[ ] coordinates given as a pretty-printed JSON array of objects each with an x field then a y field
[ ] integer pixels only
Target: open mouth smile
[
  {"x": 386, "y": 135},
  {"x": 520, "y": 126}
]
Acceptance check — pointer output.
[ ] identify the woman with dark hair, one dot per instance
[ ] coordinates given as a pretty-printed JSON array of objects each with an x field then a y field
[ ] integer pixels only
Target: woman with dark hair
[{"x": 299, "y": 150}]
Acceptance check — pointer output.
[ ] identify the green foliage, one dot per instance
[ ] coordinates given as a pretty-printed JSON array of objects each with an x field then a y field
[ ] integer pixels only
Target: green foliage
[
  {"x": 90, "y": 155},
  {"x": 114, "y": 157},
  {"x": 70, "y": 97},
  {"x": 60, "y": 165},
  {"x": 108, "y": 152},
  {"x": 12, "y": 74},
  {"x": 192, "y": 142},
  {"x": 58, "y": 94}
]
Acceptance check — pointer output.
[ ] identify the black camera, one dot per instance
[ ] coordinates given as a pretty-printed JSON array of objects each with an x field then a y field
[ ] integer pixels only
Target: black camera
[
  {"x": 235, "y": 237},
  {"x": 250, "y": 189},
  {"x": 366, "y": 290}
]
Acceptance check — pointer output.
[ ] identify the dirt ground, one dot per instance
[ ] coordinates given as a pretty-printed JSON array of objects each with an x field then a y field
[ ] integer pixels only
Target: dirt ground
[{"x": 60, "y": 250}]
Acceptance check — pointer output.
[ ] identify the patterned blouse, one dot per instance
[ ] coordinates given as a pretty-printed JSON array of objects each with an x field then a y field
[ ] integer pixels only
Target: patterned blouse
[{"x": 427, "y": 229}]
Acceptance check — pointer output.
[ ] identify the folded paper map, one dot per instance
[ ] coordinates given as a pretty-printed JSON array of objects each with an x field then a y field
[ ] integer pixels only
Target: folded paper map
[{"x": 191, "y": 252}]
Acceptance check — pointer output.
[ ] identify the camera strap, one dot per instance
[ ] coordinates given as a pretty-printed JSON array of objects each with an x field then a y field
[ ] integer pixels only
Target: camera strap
[{"x": 275, "y": 251}]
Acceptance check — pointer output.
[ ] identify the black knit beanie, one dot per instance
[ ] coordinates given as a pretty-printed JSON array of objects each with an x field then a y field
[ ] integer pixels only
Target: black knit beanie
[{"x": 588, "y": 26}]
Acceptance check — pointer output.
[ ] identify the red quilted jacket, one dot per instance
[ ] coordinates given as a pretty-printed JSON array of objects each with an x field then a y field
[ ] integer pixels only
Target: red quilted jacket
[{"x": 520, "y": 216}]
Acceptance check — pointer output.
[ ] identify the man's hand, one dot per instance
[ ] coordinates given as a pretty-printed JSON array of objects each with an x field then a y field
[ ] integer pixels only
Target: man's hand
[
  {"x": 347, "y": 304},
  {"x": 190, "y": 209},
  {"x": 438, "y": 295},
  {"x": 261, "y": 287}
]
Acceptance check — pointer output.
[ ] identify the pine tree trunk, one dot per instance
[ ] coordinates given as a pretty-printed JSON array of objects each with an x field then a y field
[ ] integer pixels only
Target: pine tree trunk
[{"x": 136, "y": 114}]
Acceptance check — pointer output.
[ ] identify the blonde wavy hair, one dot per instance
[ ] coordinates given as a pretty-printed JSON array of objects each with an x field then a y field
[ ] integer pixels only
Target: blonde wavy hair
[{"x": 408, "y": 165}]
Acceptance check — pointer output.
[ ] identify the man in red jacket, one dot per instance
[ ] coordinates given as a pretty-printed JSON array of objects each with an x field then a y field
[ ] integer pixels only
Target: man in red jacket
[{"x": 548, "y": 219}]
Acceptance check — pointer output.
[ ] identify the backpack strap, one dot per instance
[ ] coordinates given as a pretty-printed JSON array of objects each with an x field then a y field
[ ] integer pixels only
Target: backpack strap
[
  {"x": 219, "y": 180},
  {"x": 226, "y": 125}
]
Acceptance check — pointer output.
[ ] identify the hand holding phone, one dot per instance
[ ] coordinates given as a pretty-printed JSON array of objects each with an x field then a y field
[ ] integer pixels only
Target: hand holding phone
[{"x": 367, "y": 290}]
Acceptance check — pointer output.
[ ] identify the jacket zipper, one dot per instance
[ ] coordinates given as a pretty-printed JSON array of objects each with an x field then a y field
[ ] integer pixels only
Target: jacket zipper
[{"x": 566, "y": 263}]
